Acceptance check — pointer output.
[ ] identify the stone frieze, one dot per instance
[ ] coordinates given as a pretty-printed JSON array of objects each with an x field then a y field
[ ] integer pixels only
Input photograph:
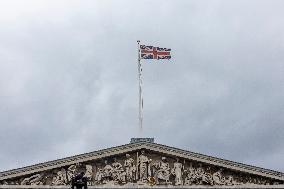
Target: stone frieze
[{"x": 144, "y": 167}]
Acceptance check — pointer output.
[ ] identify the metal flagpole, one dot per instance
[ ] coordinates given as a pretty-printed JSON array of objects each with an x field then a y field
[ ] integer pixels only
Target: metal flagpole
[{"x": 140, "y": 90}]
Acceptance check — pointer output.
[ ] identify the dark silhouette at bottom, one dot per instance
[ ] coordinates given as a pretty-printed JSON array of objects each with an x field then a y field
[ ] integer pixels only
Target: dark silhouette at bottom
[{"x": 79, "y": 181}]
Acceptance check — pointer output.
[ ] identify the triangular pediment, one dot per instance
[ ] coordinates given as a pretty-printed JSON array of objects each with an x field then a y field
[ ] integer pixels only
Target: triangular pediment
[{"x": 143, "y": 163}]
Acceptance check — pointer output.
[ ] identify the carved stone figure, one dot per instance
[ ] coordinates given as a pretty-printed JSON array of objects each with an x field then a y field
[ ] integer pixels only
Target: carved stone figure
[
  {"x": 33, "y": 180},
  {"x": 143, "y": 164},
  {"x": 107, "y": 172},
  {"x": 230, "y": 181},
  {"x": 26, "y": 181},
  {"x": 118, "y": 174},
  {"x": 60, "y": 178},
  {"x": 144, "y": 171},
  {"x": 190, "y": 175},
  {"x": 218, "y": 179},
  {"x": 207, "y": 177},
  {"x": 130, "y": 168},
  {"x": 177, "y": 172},
  {"x": 71, "y": 171},
  {"x": 199, "y": 174},
  {"x": 89, "y": 173},
  {"x": 99, "y": 176},
  {"x": 163, "y": 171},
  {"x": 10, "y": 182}
]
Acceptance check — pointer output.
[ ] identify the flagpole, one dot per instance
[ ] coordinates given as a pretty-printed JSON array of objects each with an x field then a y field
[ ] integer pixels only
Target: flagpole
[{"x": 140, "y": 90}]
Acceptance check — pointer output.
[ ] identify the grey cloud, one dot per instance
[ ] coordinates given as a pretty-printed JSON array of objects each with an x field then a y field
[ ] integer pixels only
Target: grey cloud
[{"x": 69, "y": 69}]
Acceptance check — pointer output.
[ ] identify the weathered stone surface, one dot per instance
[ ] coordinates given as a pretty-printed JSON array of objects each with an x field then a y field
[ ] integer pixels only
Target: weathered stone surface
[
  {"x": 143, "y": 164},
  {"x": 137, "y": 186}
]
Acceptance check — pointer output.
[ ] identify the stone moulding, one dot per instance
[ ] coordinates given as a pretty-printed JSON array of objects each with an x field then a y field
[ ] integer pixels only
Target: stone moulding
[
  {"x": 158, "y": 187},
  {"x": 68, "y": 161}
]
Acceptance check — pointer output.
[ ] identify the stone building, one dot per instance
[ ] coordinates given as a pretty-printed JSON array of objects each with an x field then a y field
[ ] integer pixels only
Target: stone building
[{"x": 143, "y": 164}]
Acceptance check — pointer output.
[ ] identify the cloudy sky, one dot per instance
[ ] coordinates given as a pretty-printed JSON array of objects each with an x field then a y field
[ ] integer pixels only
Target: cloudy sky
[{"x": 68, "y": 78}]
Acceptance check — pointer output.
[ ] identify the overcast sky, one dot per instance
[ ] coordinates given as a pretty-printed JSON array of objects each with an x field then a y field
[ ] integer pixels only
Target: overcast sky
[{"x": 68, "y": 78}]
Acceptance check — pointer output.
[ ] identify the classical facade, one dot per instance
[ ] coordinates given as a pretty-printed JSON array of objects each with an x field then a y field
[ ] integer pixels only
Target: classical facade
[{"x": 143, "y": 163}]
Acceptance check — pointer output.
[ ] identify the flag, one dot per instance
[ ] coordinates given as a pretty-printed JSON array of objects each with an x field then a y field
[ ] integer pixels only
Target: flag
[{"x": 150, "y": 52}]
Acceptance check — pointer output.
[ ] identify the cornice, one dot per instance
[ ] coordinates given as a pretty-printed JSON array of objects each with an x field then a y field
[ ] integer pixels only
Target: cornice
[{"x": 215, "y": 161}]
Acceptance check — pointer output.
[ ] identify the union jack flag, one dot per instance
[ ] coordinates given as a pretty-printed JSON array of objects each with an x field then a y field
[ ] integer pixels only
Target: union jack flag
[{"x": 150, "y": 52}]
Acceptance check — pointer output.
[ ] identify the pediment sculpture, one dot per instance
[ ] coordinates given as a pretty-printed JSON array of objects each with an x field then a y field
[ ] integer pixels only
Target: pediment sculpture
[{"x": 145, "y": 167}]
